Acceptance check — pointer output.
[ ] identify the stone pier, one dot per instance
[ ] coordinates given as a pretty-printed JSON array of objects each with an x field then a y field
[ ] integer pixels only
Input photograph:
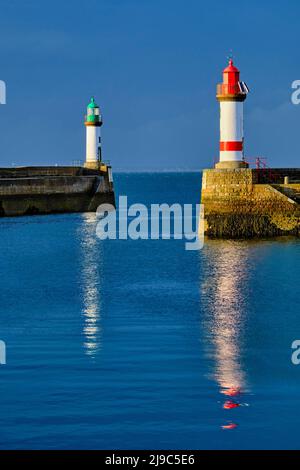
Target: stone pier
[
  {"x": 47, "y": 190},
  {"x": 248, "y": 203}
]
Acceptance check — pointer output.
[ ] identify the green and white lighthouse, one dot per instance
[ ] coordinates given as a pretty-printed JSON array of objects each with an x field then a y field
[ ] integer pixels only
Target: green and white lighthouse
[{"x": 93, "y": 122}]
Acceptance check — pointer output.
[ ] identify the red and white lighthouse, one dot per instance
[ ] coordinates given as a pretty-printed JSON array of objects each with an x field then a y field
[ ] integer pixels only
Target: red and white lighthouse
[{"x": 231, "y": 94}]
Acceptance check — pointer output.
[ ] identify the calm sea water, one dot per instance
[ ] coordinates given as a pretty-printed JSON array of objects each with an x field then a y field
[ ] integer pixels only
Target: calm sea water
[{"x": 140, "y": 344}]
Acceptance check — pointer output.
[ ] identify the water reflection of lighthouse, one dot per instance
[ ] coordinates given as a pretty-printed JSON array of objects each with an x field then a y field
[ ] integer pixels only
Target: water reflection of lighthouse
[
  {"x": 91, "y": 278},
  {"x": 223, "y": 292}
]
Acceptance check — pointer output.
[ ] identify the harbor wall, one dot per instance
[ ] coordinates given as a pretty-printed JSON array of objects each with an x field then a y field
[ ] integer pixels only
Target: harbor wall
[
  {"x": 45, "y": 190},
  {"x": 246, "y": 203}
]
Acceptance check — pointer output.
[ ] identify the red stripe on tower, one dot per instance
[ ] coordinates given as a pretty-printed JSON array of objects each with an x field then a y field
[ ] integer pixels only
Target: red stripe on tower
[{"x": 231, "y": 146}]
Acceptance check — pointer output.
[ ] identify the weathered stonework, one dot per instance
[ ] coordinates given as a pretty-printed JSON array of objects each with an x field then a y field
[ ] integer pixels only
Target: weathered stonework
[
  {"x": 46, "y": 190},
  {"x": 246, "y": 203}
]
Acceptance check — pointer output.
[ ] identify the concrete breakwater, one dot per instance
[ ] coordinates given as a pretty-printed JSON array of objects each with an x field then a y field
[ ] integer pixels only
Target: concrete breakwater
[
  {"x": 45, "y": 190},
  {"x": 246, "y": 203}
]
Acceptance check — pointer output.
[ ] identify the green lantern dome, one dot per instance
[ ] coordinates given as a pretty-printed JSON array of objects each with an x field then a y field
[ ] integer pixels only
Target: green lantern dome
[
  {"x": 92, "y": 103},
  {"x": 93, "y": 113}
]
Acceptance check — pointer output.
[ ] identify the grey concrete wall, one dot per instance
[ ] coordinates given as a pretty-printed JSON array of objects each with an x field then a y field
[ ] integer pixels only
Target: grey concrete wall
[
  {"x": 44, "y": 190},
  {"x": 37, "y": 171}
]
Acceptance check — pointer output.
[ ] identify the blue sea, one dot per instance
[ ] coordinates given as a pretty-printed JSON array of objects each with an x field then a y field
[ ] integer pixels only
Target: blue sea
[{"x": 141, "y": 344}]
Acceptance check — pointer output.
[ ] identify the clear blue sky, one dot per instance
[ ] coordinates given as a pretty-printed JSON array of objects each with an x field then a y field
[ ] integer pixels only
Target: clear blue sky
[{"x": 153, "y": 66}]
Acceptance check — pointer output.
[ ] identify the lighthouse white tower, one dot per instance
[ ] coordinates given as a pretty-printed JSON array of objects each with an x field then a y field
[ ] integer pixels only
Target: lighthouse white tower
[
  {"x": 93, "y": 122},
  {"x": 231, "y": 94}
]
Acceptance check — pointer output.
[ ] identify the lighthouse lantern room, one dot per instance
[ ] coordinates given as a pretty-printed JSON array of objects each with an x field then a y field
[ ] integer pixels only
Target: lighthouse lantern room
[
  {"x": 231, "y": 94},
  {"x": 93, "y": 122}
]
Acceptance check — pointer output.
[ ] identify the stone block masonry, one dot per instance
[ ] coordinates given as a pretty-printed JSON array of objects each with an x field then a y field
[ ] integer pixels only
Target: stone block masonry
[{"x": 248, "y": 203}]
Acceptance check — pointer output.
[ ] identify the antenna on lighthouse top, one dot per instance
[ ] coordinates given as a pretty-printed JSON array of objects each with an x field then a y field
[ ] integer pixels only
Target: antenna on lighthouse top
[{"x": 230, "y": 56}]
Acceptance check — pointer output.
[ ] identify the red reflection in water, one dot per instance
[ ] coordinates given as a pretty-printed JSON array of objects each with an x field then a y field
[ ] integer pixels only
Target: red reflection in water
[
  {"x": 231, "y": 392},
  {"x": 229, "y": 405},
  {"x": 229, "y": 426}
]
